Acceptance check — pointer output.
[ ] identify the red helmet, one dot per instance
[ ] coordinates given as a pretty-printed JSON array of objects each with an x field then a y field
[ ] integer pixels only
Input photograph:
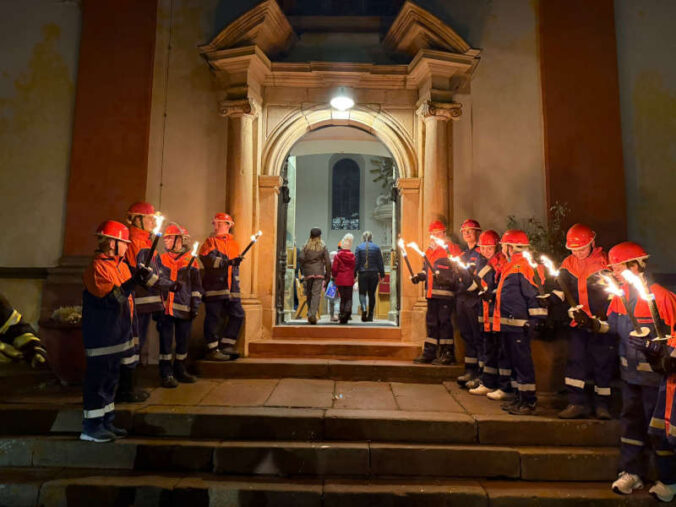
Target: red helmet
[
  {"x": 173, "y": 229},
  {"x": 223, "y": 217},
  {"x": 579, "y": 236},
  {"x": 625, "y": 252},
  {"x": 436, "y": 225},
  {"x": 488, "y": 238},
  {"x": 113, "y": 230},
  {"x": 470, "y": 224},
  {"x": 515, "y": 237},
  {"x": 141, "y": 208}
]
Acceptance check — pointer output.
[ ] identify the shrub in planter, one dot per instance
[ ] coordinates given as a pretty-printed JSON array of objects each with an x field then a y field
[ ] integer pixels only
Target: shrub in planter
[{"x": 61, "y": 335}]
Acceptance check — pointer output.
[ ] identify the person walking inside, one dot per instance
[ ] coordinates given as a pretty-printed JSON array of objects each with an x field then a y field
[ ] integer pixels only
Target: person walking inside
[
  {"x": 332, "y": 293},
  {"x": 343, "y": 276},
  {"x": 315, "y": 267},
  {"x": 369, "y": 270}
]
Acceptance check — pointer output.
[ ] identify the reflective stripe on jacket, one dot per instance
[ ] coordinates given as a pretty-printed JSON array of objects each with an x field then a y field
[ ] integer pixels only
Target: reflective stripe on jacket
[{"x": 188, "y": 298}]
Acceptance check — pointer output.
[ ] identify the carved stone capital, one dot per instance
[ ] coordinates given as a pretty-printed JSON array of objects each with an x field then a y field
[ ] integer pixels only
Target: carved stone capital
[
  {"x": 239, "y": 108},
  {"x": 440, "y": 110}
]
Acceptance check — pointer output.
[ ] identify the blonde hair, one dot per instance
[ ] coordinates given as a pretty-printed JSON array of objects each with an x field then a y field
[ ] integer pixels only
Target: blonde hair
[
  {"x": 314, "y": 244},
  {"x": 347, "y": 241}
]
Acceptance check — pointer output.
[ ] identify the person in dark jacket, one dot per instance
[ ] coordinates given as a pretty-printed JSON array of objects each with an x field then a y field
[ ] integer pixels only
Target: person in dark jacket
[
  {"x": 315, "y": 267},
  {"x": 343, "y": 276},
  {"x": 18, "y": 339},
  {"x": 369, "y": 270}
]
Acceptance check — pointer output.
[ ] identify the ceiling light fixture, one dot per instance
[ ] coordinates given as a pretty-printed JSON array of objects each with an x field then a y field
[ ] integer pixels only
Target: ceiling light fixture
[{"x": 342, "y": 100}]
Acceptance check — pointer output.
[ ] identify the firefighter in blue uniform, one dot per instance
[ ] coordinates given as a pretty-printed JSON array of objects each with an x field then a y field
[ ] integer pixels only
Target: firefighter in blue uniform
[
  {"x": 180, "y": 306},
  {"x": 468, "y": 306},
  {"x": 518, "y": 316},
  {"x": 107, "y": 315},
  {"x": 18, "y": 339},
  {"x": 640, "y": 386},
  {"x": 441, "y": 283}
]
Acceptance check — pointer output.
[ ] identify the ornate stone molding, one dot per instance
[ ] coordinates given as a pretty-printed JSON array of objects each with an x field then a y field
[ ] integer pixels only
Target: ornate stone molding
[
  {"x": 440, "y": 110},
  {"x": 239, "y": 108}
]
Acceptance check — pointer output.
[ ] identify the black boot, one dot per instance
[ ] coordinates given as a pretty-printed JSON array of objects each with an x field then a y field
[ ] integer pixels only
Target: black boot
[
  {"x": 231, "y": 352},
  {"x": 182, "y": 375},
  {"x": 126, "y": 393}
]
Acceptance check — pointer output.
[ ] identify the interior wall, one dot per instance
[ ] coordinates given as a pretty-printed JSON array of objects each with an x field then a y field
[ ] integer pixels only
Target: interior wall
[{"x": 646, "y": 44}]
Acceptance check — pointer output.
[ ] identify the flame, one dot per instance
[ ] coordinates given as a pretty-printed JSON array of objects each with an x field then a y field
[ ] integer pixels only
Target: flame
[
  {"x": 254, "y": 237},
  {"x": 612, "y": 287},
  {"x": 549, "y": 265},
  {"x": 401, "y": 246},
  {"x": 636, "y": 281},
  {"x": 194, "y": 248},
  {"x": 415, "y": 247},
  {"x": 458, "y": 261},
  {"x": 438, "y": 241},
  {"x": 527, "y": 255},
  {"x": 159, "y": 219}
]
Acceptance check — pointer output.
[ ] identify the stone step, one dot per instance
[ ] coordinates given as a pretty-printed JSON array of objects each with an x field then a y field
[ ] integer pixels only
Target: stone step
[
  {"x": 335, "y": 349},
  {"x": 333, "y": 369},
  {"x": 49, "y": 486},
  {"x": 304, "y": 424},
  {"x": 321, "y": 459},
  {"x": 328, "y": 332}
]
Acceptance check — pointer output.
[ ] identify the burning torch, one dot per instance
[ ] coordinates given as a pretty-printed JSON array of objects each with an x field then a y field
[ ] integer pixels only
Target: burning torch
[
  {"x": 555, "y": 273},
  {"x": 159, "y": 219},
  {"x": 536, "y": 274},
  {"x": 254, "y": 238},
  {"x": 457, "y": 260},
  {"x": 649, "y": 297},
  {"x": 193, "y": 254},
  {"x": 613, "y": 288},
  {"x": 415, "y": 247},
  {"x": 402, "y": 249}
]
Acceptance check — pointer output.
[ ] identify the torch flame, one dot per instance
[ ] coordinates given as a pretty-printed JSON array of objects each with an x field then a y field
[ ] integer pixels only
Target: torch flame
[
  {"x": 638, "y": 283},
  {"x": 458, "y": 261},
  {"x": 612, "y": 287},
  {"x": 549, "y": 265},
  {"x": 159, "y": 218},
  {"x": 527, "y": 255},
  {"x": 400, "y": 243},
  {"x": 438, "y": 241},
  {"x": 415, "y": 247},
  {"x": 194, "y": 248}
]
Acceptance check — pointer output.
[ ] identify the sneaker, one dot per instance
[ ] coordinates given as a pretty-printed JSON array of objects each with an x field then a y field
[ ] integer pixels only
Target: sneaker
[
  {"x": 216, "y": 355},
  {"x": 481, "y": 390},
  {"x": 99, "y": 435},
  {"x": 500, "y": 395},
  {"x": 169, "y": 382},
  {"x": 603, "y": 413},
  {"x": 463, "y": 379},
  {"x": 117, "y": 432},
  {"x": 663, "y": 492},
  {"x": 231, "y": 352},
  {"x": 471, "y": 384},
  {"x": 423, "y": 359},
  {"x": 523, "y": 408},
  {"x": 626, "y": 483},
  {"x": 575, "y": 411}
]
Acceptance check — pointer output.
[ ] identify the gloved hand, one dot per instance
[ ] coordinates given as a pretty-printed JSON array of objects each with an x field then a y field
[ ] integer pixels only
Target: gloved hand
[
  {"x": 544, "y": 300},
  {"x": 8, "y": 353},
  {"x": 142, "y": 274},
  {"x": 487, "y": 296},
  {"x": 420, "y": 277},
  {"x": 34, "y": 354},
  {"x": 639, "y": 339},
  {"x": 193, "y": 313},
  {"x": 236, "y": 261},
  {"x": 176, "y": 286}
]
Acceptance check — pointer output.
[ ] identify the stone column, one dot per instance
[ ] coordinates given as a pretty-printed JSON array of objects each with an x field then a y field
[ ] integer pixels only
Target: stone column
[
  {"x": 241, "y": 202},
  {"x": 268, "y": 191}
]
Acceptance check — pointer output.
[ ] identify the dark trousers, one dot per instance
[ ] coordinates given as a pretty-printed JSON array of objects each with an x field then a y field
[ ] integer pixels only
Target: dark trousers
[
  {"x": 517, "y": 344},
  {"x": 169, "y": 328},
  {"x": 223, "y": 321},
  {"x": 140, "y": 330},
  {"x": 506, "y": 377},
  {"x": 345, "y": 292},
  {"x": 98, "y": 391},
  {"x": 368, "y": 284},
  {"x": 638, "y": 404},
  {"x": 439, "y": 328},
  {"x": 491, "y": 359},
  {"x": 468, "y": 308},
  {"x": 592, "y": 356}
]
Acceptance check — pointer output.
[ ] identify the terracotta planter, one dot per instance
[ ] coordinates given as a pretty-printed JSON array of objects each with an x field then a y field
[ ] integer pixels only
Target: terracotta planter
[{"x": 65, "y": 350}]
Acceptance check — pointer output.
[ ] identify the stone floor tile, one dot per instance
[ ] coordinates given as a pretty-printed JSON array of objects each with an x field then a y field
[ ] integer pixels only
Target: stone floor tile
[
  {"x": 184, "y": 394},
  {"x": 241, "y": 392},
  {"x": 424, "y": 397},
  {"x": 302, "y": 393},
  {"x": 364, "y": 395}
]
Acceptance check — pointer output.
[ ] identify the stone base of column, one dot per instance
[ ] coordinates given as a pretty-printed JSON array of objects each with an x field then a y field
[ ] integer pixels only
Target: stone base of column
[
  {"x": 253, "y": 323},
  {"x": 413, "y": 324},
  {"x": 550, "y": 356}
]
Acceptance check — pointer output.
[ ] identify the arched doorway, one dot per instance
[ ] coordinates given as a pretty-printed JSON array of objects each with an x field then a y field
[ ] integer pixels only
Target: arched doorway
[{"x": 342, "y": 180}]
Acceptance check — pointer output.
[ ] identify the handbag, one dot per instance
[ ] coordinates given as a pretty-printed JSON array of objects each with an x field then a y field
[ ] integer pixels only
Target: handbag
[{"x": 331, "y": 290}]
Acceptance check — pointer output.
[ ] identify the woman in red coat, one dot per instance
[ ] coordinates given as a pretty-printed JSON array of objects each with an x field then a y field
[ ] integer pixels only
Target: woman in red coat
[{"x": 343, "y": 276}]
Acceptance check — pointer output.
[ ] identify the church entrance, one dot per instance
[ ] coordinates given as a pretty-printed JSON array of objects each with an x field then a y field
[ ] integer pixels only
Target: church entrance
[{"x": 340, "y": 179}]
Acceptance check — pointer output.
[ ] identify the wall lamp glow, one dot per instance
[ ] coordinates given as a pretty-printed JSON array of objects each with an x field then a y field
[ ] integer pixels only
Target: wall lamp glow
[{"x": 342, "y": 100}]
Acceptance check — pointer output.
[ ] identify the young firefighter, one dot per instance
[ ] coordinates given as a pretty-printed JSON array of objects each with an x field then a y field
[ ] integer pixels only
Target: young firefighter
[
  {"x": 468, "y": 305},
  {"x": 517, "y": 314},
  {"x": 440, "y": 285},
  {"x": 107, "y": 315},
  {"x": 141, "y": 219},
  {"x": 641, "y": 384},
  {"x": 18, "y": 339},
  {"x": 180, "y": 305},
  {"x": 496, "y": 373},
  {"x": 588, "y": 352},
  {"x": 220, "y": 256}
]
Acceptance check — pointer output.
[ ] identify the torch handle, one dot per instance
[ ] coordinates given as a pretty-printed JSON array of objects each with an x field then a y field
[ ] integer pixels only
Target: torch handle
[
  {"x": 539, "y": 282},
  {"x": 656, "y": 318},
  {"x": 152, "y": 250},
  {"x": 429, "y": 266},
  {"x": 632, "y": 317},
  {"x": 248, "y": 247},
  {"x": 408, "y": 263},
  {"x": 566, "y": 291}
]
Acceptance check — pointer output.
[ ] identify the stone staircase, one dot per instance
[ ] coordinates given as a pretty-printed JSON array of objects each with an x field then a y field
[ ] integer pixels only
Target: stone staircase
[{"x": 196, "y": 454}]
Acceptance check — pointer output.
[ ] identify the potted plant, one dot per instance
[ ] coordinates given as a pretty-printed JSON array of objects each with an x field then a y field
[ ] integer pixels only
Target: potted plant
[{"x": 62, "y": 336}]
